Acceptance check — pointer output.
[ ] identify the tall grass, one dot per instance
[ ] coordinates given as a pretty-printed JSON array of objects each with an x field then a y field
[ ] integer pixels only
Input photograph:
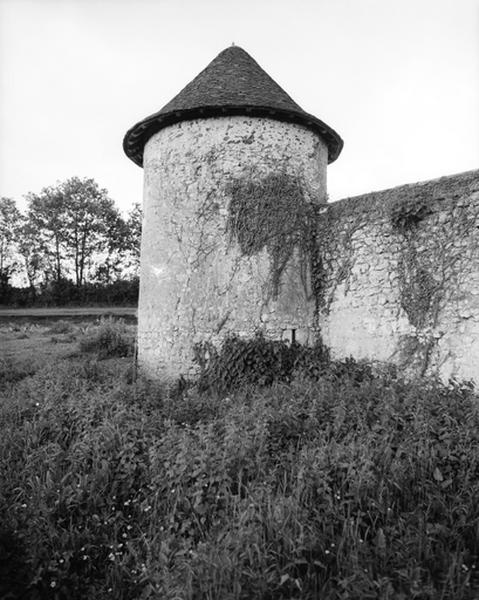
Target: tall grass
[
  {"x": 336, "y": 489},
  {"x": 110, "y": 338}
]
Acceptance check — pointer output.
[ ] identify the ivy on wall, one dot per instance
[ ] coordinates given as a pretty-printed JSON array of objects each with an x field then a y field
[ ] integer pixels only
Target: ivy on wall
[
  {"x": 273, "y": 213},
  {"x": 429, "y": 269},
  {"x": 335, "y": 254}
]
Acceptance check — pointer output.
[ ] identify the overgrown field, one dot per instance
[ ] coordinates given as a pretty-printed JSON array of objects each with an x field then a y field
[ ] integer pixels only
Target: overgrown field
[{"x": 335, "y": 483}]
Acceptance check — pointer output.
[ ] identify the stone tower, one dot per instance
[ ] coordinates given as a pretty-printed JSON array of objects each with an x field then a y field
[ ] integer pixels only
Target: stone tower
[{"x": 232, "y": 170}]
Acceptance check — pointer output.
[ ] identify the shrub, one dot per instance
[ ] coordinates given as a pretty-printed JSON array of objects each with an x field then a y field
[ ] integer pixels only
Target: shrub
[
  {"x": 61, "y": 327},
  {"x": 12, "y": 371},
  {"x": 256, "y": 361},
  {"x": 109, "y": 339}
]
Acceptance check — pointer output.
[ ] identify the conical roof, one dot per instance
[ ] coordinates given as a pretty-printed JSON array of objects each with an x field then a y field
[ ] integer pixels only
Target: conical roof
[{"x": 232, "y": 84}]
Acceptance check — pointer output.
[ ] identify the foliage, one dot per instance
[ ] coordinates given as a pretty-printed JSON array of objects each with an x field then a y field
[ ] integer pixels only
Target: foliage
[
  {"x": 418, "y": 288},
  {"x": 111, "y": 338},
  {"x": 256, "y": 361},
  {"x": 12, "y": 371},
  {"x": 272, "y": 213},
  {"x": 10, "y": 219},
  {"x": 333, "y": 488},
  {"x": 134, "y": 226},
  {"x": 74, "y": 220},
  {"x": 61, "y": 327},
  {"x": 406, "y": 213},
  {"x": 66, "y": 293},
  {"x": 72, "y": 246}
]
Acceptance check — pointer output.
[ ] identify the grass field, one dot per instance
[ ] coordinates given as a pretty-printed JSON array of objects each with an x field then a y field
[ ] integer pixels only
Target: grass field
[{"x": 338, "y": 483}]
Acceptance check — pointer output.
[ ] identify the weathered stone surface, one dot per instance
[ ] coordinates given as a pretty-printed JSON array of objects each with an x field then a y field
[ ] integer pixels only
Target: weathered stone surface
[
  {"x": 197, "y": 283},
  {"x": 393, "y": 275},
  {"x": 417, "y": 304}
]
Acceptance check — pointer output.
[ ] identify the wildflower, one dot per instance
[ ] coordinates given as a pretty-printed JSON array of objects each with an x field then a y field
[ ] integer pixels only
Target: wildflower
[
  {"x": 326, "y": 552},
  {"x": 128, "y": 527},
  {"x": 464, "y": 567},
  {"x": 147, "y": 508},
  {"x": 85, "y": 557},
  {"x": 109, "y": 590},
  {"x": 37, "y": 403},
  {"x": 24, "y": 506},
  {"x": 124, "y": 535},
  {"x": 53, "y": 584},
  {"x": 111, "y": 556}
]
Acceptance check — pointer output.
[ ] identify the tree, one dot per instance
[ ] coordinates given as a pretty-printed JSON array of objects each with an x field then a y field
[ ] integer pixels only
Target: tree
[
  {"x": 134, "y": 223},
  {"x": 45, "y": 217},
  {"x": 30, "y": 250},
  {"x": 10, "y": 218},
  {"x": 111, "y": 264},
  {"x": 74, "y": 220}
]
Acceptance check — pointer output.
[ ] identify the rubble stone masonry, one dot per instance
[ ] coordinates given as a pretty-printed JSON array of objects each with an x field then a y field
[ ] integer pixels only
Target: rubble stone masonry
[
  {"x": 238, "y": 238},
  {"x": 401, "y": 277}
]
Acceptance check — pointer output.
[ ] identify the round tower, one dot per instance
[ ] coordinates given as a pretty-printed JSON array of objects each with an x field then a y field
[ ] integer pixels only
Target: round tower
[{"x": 233, "y": 172}]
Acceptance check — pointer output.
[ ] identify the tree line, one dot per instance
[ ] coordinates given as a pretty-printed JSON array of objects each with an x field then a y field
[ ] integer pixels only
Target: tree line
[{"x": 71, "y": 245}]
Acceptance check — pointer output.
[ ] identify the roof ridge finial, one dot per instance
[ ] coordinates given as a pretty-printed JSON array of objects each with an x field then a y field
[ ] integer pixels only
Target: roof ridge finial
[{"x": 232, "y": 43}]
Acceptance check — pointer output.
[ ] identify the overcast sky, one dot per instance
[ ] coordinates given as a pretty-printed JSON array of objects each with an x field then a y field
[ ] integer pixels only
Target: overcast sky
[{"x": 397, "y": 79}]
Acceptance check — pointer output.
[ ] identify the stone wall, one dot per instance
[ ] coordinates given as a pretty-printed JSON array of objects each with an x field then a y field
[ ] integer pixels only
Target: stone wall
[
  {"x": 238, "y": 238},
  {"x": 227, "y": 213},
  {"x": 399, "y": 276}
]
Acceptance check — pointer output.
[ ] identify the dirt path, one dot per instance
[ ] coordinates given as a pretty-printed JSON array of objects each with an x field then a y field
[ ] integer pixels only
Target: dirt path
[{"x": 54, "y": 313}]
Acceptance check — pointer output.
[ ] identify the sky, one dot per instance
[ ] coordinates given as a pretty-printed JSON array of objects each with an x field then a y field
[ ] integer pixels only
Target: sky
[{"x": 397, "y": 79}]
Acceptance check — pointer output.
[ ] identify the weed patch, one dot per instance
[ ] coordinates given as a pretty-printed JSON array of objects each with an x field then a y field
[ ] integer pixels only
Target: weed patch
[
  {"x": 338, "y": 485},
  {"x": 109, "y": 339}
]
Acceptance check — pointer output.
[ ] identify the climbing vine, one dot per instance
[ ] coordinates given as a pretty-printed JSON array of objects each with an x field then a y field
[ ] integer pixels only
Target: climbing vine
[
  {"x": 428, "y": 269},
  {"x": 334, "y": 254},
  {"x": 273, "y": 213},
  {"x": 406, "y": 213}
]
